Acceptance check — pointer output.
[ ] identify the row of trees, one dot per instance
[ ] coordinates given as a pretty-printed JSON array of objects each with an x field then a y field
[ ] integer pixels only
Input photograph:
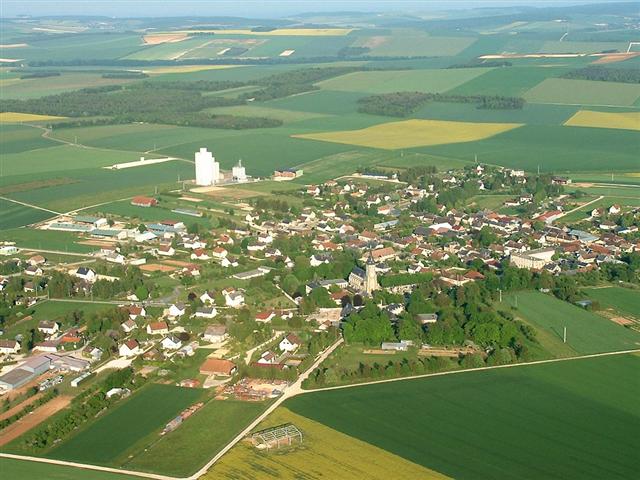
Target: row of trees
[
  {"x": 401, "y": 104},
  {"x": 50, "y": 395},
  {"x": 603, "y": 74}
]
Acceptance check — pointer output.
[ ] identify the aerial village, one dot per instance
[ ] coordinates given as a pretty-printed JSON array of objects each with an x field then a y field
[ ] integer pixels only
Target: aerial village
[{"x": 245, "y": 308}]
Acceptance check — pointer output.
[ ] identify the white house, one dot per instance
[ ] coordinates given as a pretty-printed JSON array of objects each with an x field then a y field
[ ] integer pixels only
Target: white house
[
  {"x": 158, "y": 328},
  {"x": 233, "y": 298},
  {"x": 129, "y": 326},
  {"x": 176, "y": 310},
  {"x": 86, "y": 274},
  {"x": 267, "y": 358},
  {"x": 130, "y": 348},
  {"x": 166, "y": 250},
  {"x": 206, "y": 312},
  {"x": 207, "y": 297},
  {"x": 229, "y": 262},
  {"x": 49, "y": 328},
  {"x": 136, "y": 311},
  {"x": 9, "y": 346},
  {"x": 289, "y": 343},
  {"x": 171, "y": 343},
  {"x": 219, "y": 253},
  {"x": 200, "y": 254},
  {"x": 215, "y": 333}
]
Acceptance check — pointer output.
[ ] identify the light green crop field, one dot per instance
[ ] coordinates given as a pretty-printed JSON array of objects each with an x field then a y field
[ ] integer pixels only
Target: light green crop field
[
  {"x": 124, "y": 209},
  {"x": 115, "y": 434},
  {"x": 583, "y": 92},
  {"x": 535, "y": 412},
  {"x": 287, "y": 116},
  {"x": 434, "y": 81},
  {"x": 623, "y": 300},
  {"x": 586, "y": 332},
  {"x": 88, "y": 45},
  {"x": 167, "y": 51},
  {"x": 26, "y": 470},
  {"x": 199, "y": 438},
  {"x": 410, "y": 43}
]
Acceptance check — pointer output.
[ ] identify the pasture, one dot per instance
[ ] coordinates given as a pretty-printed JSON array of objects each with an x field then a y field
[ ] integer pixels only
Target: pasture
[
  {"x": 586, "y": 332},
  {"x": 442, "y": 422},
  {"x": 413, "y": 133},
  {"x": 45, "y": 239},
  {"x": 189, "y": 447},
  {"x": 325, "y": 453},
  {"x": 116, "y": 433},
  {"x": 583, "y": 92},
  {"x": 589, "y": 118},
  {"x": 388, "y": 81}
]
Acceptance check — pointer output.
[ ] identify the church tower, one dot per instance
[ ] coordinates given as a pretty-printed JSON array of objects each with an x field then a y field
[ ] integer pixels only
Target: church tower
[{"x": 371, "y": 277}]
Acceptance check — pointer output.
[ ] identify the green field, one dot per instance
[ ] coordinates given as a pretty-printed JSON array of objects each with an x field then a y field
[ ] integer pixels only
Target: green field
[
  {"x": 583, "y": 92},
  {"x": 45, "y": 239},
  {"x": 182, "y": 452},
  {"x": 433, "y": 81},
  {"x": 25, "y": 470},
  {"x": 409, "y": 43},
  {"x": 552, "y": 148},
  {"x": 623, "y": 300},
  {"x": 39, "y": 87},
  {"x": 586, "y": 332},
  {"x": 117, "y": 433},
  {"x": 13, "y": 215},
  {"x": 20, "y": 138},
  {"x": 536, "y": 412}
]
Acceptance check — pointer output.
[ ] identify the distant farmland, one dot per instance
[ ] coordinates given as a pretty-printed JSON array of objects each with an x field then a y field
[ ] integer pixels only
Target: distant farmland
[
  {"x": 621, "y": 120},
  {"x": 583, "y": 92},
  {"x": 541, "y": 423}
]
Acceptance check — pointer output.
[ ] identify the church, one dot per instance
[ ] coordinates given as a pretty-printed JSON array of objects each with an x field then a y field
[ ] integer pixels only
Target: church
[{"x": 364, "y": 281}]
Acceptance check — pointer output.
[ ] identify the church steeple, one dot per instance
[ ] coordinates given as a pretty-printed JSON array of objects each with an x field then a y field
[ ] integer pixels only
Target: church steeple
[{"x": 371, "y": 276}]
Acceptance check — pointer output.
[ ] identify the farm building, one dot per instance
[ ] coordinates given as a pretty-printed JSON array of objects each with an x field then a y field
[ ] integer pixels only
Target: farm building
[
  {"x": 276, "y": 437},
  {"x": 216, "y": 366},
  {"x": 144, "y": 201}
]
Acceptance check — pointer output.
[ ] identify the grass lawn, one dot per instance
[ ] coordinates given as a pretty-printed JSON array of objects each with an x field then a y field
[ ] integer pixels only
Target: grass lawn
[
  {"x": 623, "y": 300},
  {"x": 586, "y": 332},
  {"x": 580, "y": 416},
  {"x": 25, "y": 470},
  {"x": 185, "y": 450},
  {"x": 325, "y": 453},
  {"x": 113, "y": 434}
]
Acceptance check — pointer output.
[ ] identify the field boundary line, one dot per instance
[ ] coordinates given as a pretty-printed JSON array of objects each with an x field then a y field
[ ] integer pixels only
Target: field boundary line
[
  {"x": 30, "y": 205},
  {"x": 467, "y": 370}
]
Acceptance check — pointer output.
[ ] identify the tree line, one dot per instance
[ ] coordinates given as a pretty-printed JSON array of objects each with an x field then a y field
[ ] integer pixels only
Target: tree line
[
  {"x": 602, "y": 74},
  {"x": 401, "y": 104}
]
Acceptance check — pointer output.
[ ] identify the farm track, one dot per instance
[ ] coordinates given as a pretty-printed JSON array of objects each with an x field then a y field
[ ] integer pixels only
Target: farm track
[
  {"x": 30, "y": 205},
  {"x": 293, "y": 391},
  {"x": 33, "y": 419}
]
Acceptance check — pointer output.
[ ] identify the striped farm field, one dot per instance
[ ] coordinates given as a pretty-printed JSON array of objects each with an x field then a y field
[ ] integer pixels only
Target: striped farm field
[
  {"x": 413, "y": 133},
  {"x": 17, "y": 117},
  {"x": 621, "y": 120}
]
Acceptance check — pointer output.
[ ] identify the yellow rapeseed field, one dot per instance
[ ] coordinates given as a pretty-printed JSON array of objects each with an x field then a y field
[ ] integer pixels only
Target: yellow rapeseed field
[
  {"x": 413, "y": 133},
  {"x": 324, "y": 454},
  {"x": 292, "y": 32},
  {"x": 15, "y": 117},
  {"x": 621, "y": 120}
]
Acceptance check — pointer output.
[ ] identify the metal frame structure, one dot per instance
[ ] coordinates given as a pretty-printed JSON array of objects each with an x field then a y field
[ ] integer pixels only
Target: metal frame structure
[{"x": 277, "y": 436}]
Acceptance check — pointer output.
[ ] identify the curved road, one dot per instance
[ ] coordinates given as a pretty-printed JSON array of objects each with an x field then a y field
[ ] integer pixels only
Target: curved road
[{"x": 293, "y": 390}]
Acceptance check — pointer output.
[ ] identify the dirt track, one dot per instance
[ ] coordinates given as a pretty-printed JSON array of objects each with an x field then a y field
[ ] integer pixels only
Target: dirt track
[{"x": 33, "y": 419}]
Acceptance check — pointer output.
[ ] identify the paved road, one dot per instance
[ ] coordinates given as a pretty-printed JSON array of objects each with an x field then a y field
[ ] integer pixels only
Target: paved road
[
  {"x": 564, "y": 214},
  {"x": 293, "y": 390},
  {"x": 29, "y": 205}
]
